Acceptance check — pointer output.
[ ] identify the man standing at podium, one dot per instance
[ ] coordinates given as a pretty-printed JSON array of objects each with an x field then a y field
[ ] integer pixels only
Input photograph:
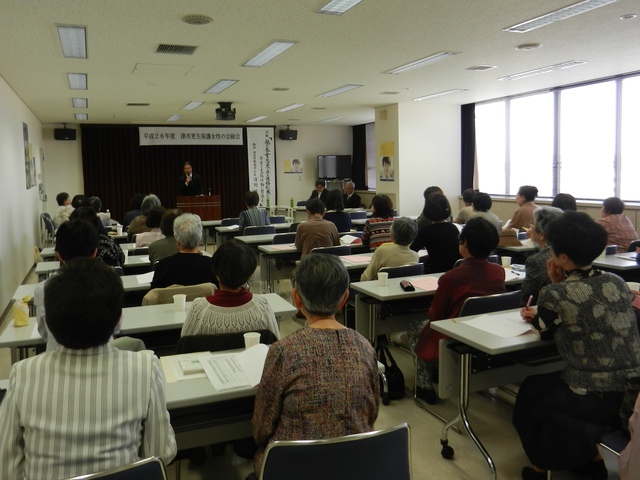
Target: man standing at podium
[{"x": 189, "y": 183}]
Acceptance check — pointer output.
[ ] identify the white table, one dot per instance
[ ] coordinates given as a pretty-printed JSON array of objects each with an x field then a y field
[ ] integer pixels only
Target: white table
[{"x": 619, "y": 261}]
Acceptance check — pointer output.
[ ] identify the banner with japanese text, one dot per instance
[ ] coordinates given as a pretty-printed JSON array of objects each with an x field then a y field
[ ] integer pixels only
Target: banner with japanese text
[
  {"x": 190, "y": 136},
  {"x": 262, "y": 161}
]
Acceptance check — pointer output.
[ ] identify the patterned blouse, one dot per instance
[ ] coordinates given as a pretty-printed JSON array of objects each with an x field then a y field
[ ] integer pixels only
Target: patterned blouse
[
  {"x": 536, "y": 275},
  {"x": 594, "y": 327},
  {"x": 109, "y": 251},
  {"x": 376, "y": 231},
  {"x": 620, "y": 231},
  {"x": 316, "y": 383}
]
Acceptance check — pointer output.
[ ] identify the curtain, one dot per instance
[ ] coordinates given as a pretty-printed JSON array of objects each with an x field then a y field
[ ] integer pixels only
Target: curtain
[{"x": 468, "y": 146}]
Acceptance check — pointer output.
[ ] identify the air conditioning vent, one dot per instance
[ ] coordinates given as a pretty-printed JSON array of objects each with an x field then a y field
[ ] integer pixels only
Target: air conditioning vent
[
  {"x": 137, "y": 104},
  {"x": 176, "y": 49}
]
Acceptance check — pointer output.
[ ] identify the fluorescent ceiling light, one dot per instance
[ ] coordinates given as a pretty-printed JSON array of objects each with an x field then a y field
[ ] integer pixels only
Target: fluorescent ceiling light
[
  {"x": 192, "y": 106},
  {"x": 77, "y": 81},
  {"x": 338, "y": 7},
  {"x": 174, "y": 118},
  {"x": 557, "y": 15},
  {"x": 82, "y": 116},
  {"x": 80, "y": 102},
  {"x": 221, "y": 86},
  {"x": 257, "y": 119},
  {"x": 73, "y": 41},
  {"x": 440, "y": 94},
  {"x": 291, "y": 107},
  {"x": 340, "y": 90},
  {"x": 330, "y": 120},
  {"x": 541, "y": 70},
  {"x": 269, "y": 53},
  {"x": 422, "y": 62}
]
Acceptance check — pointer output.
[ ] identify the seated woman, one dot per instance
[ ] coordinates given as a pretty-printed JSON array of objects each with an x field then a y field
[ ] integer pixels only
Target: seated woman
[
  {"x": 475, "y": 276},
  {"x": 153, "y": 222},
  {"x": 440, "y": 237},
  {"x": 253, "y": 216},
  {"x": 403, "y": 232},
  {"x": 108, "y": 250},
  {"x": 232, "y": 307},
  {"x": 466, "y": 212},
  {"x": 560, "y": 416},
  {"x": 523, "y": 216},
  {"x": 321, "y": 381},
  {"x": 335, "y": 211},
  {"x": 139, "y": 224},
  {"x": 620, "y": 230},
  {"x": 482, "y": 204},
  {"x": 376, "y": 229},
  {"x": 422, "y": 220},
  {"x": 536, "y": 265},
  {"x": 166, "y": 246}
]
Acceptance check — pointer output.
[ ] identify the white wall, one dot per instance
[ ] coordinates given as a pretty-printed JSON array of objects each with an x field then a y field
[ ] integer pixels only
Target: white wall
[
  {"x": 20, "y": 217},
  {"x": 312, "y": 141}
]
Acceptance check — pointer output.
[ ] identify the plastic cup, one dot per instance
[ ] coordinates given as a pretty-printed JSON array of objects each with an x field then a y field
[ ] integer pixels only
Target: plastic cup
[
  {"x": 119, "y": 229},
  {"x": 251, "y": 339},
  {"x": 383, "y": 278},
  {"x": 506, "y": 262},
  {"x": 180, "y": 302}
]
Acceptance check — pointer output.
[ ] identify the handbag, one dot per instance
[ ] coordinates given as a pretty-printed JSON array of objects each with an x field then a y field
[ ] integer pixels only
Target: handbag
[
  {"x": 392, "y": 372},
  {"x": 509, "y": 238}
]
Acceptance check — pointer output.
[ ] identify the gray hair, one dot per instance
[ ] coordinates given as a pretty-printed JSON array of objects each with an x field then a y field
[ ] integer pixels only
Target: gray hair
[
  {"x": 149, "y": 202},
  {"x": 350, "y": 182},
  {"x": 542, "y": 216},
  {"x": 404, "y": 231},
  {"x": 187, "y": 228},
  {"x": 321, "y": 282}
]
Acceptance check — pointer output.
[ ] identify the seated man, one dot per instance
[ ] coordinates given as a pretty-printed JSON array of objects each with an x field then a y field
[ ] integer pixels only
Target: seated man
[
  {"x": 64, "y": 209},
  {"x": 351, "y": 199},
  {"x": 403, "y": 233},
  {"x": 320, "y": 192},
  {"x": 87, "y": 406},
  {"x": 316, "y": 232},
  {"x": 188, "y": 266}
]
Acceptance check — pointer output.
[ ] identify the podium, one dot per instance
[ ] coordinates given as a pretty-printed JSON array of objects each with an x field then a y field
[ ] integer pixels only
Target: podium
[{"x": 206, "y": 206}]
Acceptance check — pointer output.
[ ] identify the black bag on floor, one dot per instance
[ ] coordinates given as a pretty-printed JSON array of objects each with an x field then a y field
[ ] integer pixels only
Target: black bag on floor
[{"x": 395, "y": 378}]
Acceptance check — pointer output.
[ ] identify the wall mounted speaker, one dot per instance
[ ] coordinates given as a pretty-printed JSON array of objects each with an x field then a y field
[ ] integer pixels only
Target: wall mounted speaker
[
  {"x": 288, "y": 134},
  {"x": 64, "y": 134}
]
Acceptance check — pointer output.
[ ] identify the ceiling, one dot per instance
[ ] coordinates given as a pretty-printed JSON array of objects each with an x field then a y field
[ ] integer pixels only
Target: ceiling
[{"x": 357, "y": 47}]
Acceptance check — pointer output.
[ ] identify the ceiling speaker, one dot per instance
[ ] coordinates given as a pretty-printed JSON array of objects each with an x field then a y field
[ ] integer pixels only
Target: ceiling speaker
[{"x": 64, "y": 134}]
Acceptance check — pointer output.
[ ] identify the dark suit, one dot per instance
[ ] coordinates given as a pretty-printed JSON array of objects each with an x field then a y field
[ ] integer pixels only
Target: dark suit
[
  {"x": 323, "y": 196},
  {"x": 351, "y": 202},
  {"x": 193, "y": 188}
]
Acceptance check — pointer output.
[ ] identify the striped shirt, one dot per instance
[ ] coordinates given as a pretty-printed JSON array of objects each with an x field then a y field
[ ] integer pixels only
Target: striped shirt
[
  {"x": 254, "y": 217},
  {"x": 72, "y": 412}
]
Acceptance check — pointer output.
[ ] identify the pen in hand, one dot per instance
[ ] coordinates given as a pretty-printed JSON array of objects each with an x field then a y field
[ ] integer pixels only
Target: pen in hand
[{"x": 529, "y": 301}]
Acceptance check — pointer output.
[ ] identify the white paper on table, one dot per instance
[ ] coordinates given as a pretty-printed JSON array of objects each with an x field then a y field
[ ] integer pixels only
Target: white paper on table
[
  {"x": 348, "y": 239},
  {"x": 627, "y": 256},
  {"x": 512, "y": 274},
  {"x": 426, "y": 283},
  {"x": 233, "y": 370},
  {"x": 230, "y": 228},
  {"x": 143, "y": 258},
  {"x": 284, "y": 246},
  {"x": 505, "y": 326},
  {"x": 145, "y": 278},
  {"x": 174, "y": 364},
  {"x": 34, "y": 332},
  {"x": 252, "y": 362},
  {"x": 356, "y": 258}
]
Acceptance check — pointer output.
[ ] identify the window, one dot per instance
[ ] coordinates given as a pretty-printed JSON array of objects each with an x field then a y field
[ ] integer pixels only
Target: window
[{"x": 630, "y": 140}]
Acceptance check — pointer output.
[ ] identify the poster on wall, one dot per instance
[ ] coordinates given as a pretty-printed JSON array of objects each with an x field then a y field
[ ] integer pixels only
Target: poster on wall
[
  {"x": 262, "y": 160},
  {"x": 293, "y": 166},
  {"x": 27, "y": 156},
  {"x": 386, "y": 162}
]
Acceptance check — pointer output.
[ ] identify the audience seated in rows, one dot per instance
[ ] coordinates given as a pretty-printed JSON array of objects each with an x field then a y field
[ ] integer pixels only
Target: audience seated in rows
[
  {"x": 87, "y": 406},
  {"x": 397, "y": 253},
  {"x": 316, "y": 232},
  {"x": 482, "y": 204},
  {"x": 422, "y": 220},
  {"x": 620, "y": 230},
  {"x": 350, "y": 198},
  {"x": 136, "y": 209},
  {"x": 376, "y": 228},
  {"x": 253, "y": 216},
  {"x": 108, "y": 250},
  {"x": 96, "y": 204},
  {"x": 322, "y": 380},
  {"x": 232, "y": 307},
  {"x": 139, "y": 224},
  {"x": 475, "y": 276},
  {"x": 64, "y": 209},
  {"x": 522, "y": 217},
  {"x": 335, "y": 211},
  {"x": 564, "y": 201},
  {"x": 466, "y": 212},
  {"x": 167, "y": 245},
  {"x": 153, "y": 222}
]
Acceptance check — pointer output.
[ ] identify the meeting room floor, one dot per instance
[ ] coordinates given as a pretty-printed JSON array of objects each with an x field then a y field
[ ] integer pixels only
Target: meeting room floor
[{"x": 490, "y": 419}]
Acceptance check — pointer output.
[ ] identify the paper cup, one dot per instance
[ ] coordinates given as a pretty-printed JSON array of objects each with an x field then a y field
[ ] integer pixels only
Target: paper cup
[
  {"x": 119, "y": 229},
  {"x": 506, "y": 261},
  {"x": 634, "y": 286},
  {"x": 180, "y": 302},
  {"x": 251, "y": 339},
  {"x": 383, "y": 278}
]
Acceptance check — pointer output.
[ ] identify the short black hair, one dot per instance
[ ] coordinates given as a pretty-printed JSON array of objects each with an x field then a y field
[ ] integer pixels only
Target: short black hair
[
  {"x": 96, "y": 203},
  {"x": 76, "y": 238},
  {"x": 482, "y": 202},
  {"x": 186, "y": 162},
  {"x": 252, "y": 198},
  {"x": 529, "y": 192},
  {"x": 166, "y": 225},
  {"x": 61, "y": 198},
  {"x": 382, "y": 206},
  {"x": 437, "y": 208},
  {"x": 564, "y": 201},
  {"x": 83, "y": 301},
  {"x": 576, "y": 235},
  {"x": 79, "y": 201},
  {"x": 154, "y": 219},
  {"x": 320, "y": 182},
  {"x": 432, "y": 189},
  {"x": 234, "y": 262},
  {"x": 334, "y": 201},
  {"x": 315, "y": 206},
  {"x": 613, "y": 205},
  {"x": 468, "y": 194},
  {"x": 481, "y": 237}
]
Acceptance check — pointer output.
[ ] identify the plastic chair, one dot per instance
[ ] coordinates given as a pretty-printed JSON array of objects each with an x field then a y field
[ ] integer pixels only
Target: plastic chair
[
  {"x": 379, "y": 454},
  {"x": 219, "y": 342},
  {"x": 491, "y": 303},
  {"x": 301, "y": 203},
  {"x": 159, "y": 296},
  {"x": 335, "y": 250},
  {"x": 277, "y": 219},
  {"x": 404, "y": 270},
  {"x": 259, "y": 230},
  {"x": 282, "y": 238},
  {"x": 148, "y": 469},
  {"x": 294, "y": 226},
  {"x": 48, "y": 230},
  {"x": 633, "y": 245},
  {"x": 138, "y": 251},
  {"x": 226, "y": 222},
  {"x": 359, "y": 215}
]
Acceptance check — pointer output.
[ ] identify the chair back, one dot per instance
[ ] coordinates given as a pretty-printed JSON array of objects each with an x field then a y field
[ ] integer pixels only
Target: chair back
[
  {"x": 353, "y": 234},
  {"x": 148, "y": 469},
  {"x": 119, "y": 270},
  {"x": 458, "y": 262},
  {"x": 138, "y": 251},
  {"x": 277, "y": 219},
  {"x": 219, "y": 342},
  {"x": 226, "y": 222},
  {"x": 493, "y": 259},
  {"x": 379, "y": 454},
  {"x": 359, "y": 215},
  {"x": 49, "y": 227},
  {"x": 335, "y": 250},
  {"x": 280, "y": 238},
  {"x": 301, "y": 203},
  {"x": 159, "y": 296},
  {"x": 259, "y": 230},
  {"x": 633, "y": 245},
  {"x": 491, "y": 303},
  {"x": 404, "y": 270},
  {"x": 294, "y": 226}
]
